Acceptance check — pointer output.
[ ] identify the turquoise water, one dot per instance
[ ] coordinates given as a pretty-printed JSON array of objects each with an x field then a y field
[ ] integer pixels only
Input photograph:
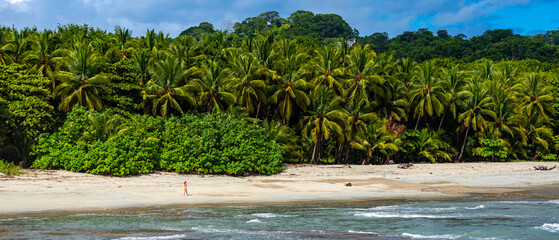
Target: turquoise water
[{"x": 465, "y": 218}]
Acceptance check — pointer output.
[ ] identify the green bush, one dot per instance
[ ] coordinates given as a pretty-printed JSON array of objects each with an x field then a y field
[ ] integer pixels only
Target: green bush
[
  {"x": 9, "y": 168},
  {"x": 218, "y": 144},
  {"x": 426, "y": 145},
  {"x": 78, "y": 145},
  {"x": 107, "y": 144}
]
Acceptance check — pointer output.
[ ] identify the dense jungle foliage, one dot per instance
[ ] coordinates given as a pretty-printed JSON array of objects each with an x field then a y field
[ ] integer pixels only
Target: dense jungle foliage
[
  {"x": 102, "y": 102},
  {"x": 109, "y": 144},
  {"x": 420, "y": 45}
]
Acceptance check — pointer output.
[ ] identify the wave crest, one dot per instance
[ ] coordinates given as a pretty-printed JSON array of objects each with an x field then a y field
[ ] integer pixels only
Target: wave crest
[{"x": 550, "y": 227}]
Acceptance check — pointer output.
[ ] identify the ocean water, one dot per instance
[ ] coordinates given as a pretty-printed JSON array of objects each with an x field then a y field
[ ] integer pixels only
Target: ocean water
[{"x": 463, "y": 218}]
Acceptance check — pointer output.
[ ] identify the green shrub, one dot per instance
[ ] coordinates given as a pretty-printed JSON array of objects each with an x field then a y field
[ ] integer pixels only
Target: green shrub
[
  {"x": 105, "y": 143},
  {"x": 10, "y": 169},
  {"x": 492, "y": 149},
  {"x": 426, "y": 145},
  {"x": 218, "y": 144},
  {"x": 78, "y": 146}
]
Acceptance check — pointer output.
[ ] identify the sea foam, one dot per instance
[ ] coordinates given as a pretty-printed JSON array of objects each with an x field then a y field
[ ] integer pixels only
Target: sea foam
[
  {"x": 361, "y": 232},
  {"x": 254, "y": 221},
  {"x": 442, "y": 236},
  {"x": 476, "y": 207},
  {"x": 396, "y": 215},
  {"x": 550, "y": 227},
  {"x": 270, "y": 215},
  {"x": 412, "y": 208},
  {"x": 170, "y": 237}
]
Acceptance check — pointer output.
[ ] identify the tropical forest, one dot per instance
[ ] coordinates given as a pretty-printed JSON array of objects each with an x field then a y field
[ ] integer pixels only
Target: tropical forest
[{"x": 270, "y": 91}]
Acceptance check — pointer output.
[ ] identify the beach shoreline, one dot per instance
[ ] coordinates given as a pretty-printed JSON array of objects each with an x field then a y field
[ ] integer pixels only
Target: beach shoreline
[{"x": 47, "y": 192}]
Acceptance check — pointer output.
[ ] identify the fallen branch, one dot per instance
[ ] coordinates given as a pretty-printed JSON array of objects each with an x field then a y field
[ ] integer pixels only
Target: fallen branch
[{"x": 544, "y": 168}]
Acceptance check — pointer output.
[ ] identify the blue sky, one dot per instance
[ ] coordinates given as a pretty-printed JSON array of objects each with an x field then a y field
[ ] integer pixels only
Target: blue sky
[{"x": 470, "y": 17}]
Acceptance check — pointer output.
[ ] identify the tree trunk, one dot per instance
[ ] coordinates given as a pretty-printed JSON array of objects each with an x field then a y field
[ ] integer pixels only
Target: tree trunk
[
  {"x": 339, "y": 152},
  {"x": 313, "y": 153},
  {"x": 307, "y": 153},
  {"x": 442, "y": 119},
  {"x": 464, "y": 143},
  {"x": 276, "y": 114},
  {"x": 348, "y": 151},
  {"x": 318, "y": 148},
  {"x": 534, "y": 152},
  {"x": 258, "y": 109},
  {"x": 417, "y": 123},
  {"x": 366, "y": 161}
]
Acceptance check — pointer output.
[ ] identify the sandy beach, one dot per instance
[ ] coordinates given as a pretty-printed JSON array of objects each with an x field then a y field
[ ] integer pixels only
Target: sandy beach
[{"x": 43, "y": 192}]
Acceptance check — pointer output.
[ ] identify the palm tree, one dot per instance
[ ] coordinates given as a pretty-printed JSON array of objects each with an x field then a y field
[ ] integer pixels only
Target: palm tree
[
  {"x": 486, "y": 70},
  {"x": 355, "y": 124},
  {"x": 149, "y": 40},
  {"x": 289, "y": 57},
  {"x": 82, "y": 81},
  {"x": 508, "y": 122},
  {"x": 44, "y": 59},
  {"x": 284, "y": 136},
  {"x": 478, "y": 107},
  {"x": 508, "y": 74},
  {"x": 326, "y": 69},
  {"x": 246, "y": 83},
  {"x": 263, "y": 49},
  {"x": 393, "y": 105},
  {"x": 165, "y": 92},
  {"x": 537, "y": 133},
  {"x": 103, "y": 44},
  {"x": 4, "y": 31},
  {"x": 322, "y": 121},
  {"x": 534, "y": 95},
  {"x": 385, "y": 65},
  {"x": 143, "y": 62},
  {"x": 427, "y": 95},
  {"x": 122, "y": 36},
  {"x": 290, "y": 93},
  {"x": 429, "y": 146},
  {"x": 105, "y": 128},
  {"x": 210, "y": 87},
  {"x": 289, "y": 83},
  {"x": 362, "y": 81},
  {"x": 186, "y": 50},
  {"x": 116, "y": 46},
  {"x": 404, "y": 71},
  {"x": 161, "y": 41},
  {"x": 453, "y": 81},
  {"x": 214, "y": 43},
  {"x": 19, "y": 46},
  {"x": 376, "y": 138}
]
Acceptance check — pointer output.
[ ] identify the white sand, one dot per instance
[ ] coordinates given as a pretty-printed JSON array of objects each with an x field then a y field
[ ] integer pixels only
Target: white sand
[{"x": 41, "y": 191}]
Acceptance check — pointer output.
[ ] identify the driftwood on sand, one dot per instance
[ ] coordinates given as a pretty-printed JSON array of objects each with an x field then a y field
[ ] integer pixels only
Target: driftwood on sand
[{"x": 544, "y": 168}]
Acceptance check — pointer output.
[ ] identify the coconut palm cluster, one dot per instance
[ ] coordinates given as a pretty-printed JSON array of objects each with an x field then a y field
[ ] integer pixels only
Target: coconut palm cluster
[{"x": 335, "y": 103}]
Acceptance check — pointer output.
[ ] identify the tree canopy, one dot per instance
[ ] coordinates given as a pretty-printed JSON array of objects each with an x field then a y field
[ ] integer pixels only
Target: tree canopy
[
  {"x": 102, "y": 102},
  {"x": 198, "y": 31}
]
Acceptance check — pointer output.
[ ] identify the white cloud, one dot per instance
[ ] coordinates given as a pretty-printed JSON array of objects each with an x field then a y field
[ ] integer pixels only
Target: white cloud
[
  {"x": 18, "y": 5},
  {"x": 16, "y": 1},
  {"x": 471, "y": 12}
]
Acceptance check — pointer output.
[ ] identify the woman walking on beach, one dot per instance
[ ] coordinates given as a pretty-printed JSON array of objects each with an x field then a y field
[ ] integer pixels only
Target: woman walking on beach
[{"x": 185, "y": 191}]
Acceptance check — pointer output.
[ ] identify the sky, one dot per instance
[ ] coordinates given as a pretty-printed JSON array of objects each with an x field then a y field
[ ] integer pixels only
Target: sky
[{"x": 469, "y": 17}]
